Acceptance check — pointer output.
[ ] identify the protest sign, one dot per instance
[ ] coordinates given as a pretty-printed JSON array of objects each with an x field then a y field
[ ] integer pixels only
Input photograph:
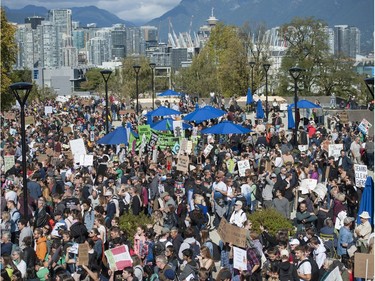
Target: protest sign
[
  {"x": 207, "y": 150},
  {"x": 8, "y": 162},
  {"x": 48, "y": 110},
  {"x": 66, "y": 130},
  {"x": 321, "y": 190},
  {"x": 364, "y": 265},
  {"x": 119, "y": 257},
  {"x": 50, "y": 152},
  {"x": 183, "y": 145},
  {"x": 86, "y": 102},
  {"x": 189, "y": 147},
  {"x": 116, "y": 124},
  {"x": 153, "y": 141},
  {"x": 232, "y": 234},
  {"x": 183, "y": 163},
  {"x": 239, "y": 258},
  {"x": 10, "y": 115},
  {"x": 177, "y": 129},
  {"x": 83, "y": 254},
  {"x": 29, "y": 120},
  {"x": 335, "y": 150},
  {"x": 243, "y": 166},
  {"x": 364, "y": 126},
  {"x": 334, "y": 275},
  {"x": 306, "y": 185},
  {"x": 144, "y": 130},
  {"x": 42, "y": 157},
  {"x": 360, "y": 172},
  {"x": 176, "y": 148},
  {"x": 77, "y": 146},
  {"x": 303, "y": 148}
]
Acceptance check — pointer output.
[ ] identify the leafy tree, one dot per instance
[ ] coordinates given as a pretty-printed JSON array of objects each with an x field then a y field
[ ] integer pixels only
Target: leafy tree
[
  {"x": 220, "y": 66},
  {"x": 93, "y": 81},
  {"x": 8, "y": 58}
]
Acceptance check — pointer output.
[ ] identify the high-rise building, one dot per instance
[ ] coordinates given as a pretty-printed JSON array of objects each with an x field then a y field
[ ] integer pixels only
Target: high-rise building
[
  {"x": 34, "y": 21},
  {"x": 135, "y": 44},
  {"x": 118, "y": 38},
  {"x": 347, "y": 40}
]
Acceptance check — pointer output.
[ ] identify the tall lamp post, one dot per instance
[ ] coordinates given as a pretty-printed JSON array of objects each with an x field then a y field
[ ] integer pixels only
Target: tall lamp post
[
  {"x": 136, "y": 69},
  {"x": 295, "y": 72},
  {"x": 252, "y": 64},
  {"x": 266, "y": 67},
  {"x": 106, "y": 73},
  {"x": 152, "y": 65},
  {"x": 21, "y": 91}
]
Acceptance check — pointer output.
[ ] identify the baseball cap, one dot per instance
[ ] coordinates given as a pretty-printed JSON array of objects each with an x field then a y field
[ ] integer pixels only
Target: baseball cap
[
  {"x": 239, "y": 203},
  {"x": 284, "y": 253},
  {"x": 348, "y": 220},
  {"x": 164, "y": 194},
  {"x": 273, "y": 175},
  {"x": 294, "y": 242}
]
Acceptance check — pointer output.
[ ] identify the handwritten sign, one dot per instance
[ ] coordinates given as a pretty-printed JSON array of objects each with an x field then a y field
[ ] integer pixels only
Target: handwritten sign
[
  {"x": 183, "y": 145},
  {"x": 48, "y": 110},
  {"x": 29, "y": 120},
  {"x": 207, "y": 150},
  {"x": 360, "y": 172},
  {"x": 77, "y": 146},
  {"x": 243, "y": 166},
  {"x": 307, "y": 185},
  {"x": 183, "y": 163},
  {"x": 177, "y": 129},
  {"x": 335, "y": 150},
  {"x": 364, "y": 126},
  {"x": 232, "y": 234},
  {"x": 8, "y": 162},
  {"x": 239, "y": 258},
  {"x": 364, "y": 265},
  {"x": 83, "y": 254}
]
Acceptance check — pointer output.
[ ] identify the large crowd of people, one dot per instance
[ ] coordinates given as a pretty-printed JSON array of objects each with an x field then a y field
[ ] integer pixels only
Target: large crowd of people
[{"x": 70, "y": 203}]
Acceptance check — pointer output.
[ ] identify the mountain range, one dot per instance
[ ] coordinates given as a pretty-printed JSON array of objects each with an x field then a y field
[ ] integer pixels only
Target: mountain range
[{"x": 189, "y": 15}]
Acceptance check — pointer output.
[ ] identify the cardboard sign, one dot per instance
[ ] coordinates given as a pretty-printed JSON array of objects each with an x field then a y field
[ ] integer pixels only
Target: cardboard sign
[
  {"x": 232, "y": 234},
  {"x": 86, "y": 102},
  {"x": 183, "y": 145},
  {"x": 42, "y": 157},
  {"x": 116, "y": 124},
  {"x": 10, "y": 115},
  {"x": 66, "y": 130},
  {"x": 83, "y": 254},
  {"x": 50, "y": 152},
  {"x": 243, "y": 166},
  {"x": 364, "y": 265},
  {"x": 239, "y": 258},
  {"x": 183, "y": 164},
  {"x": 189, "y": 147},
  {"x": 8, "y": 162},
  {"x": 29, "y": 120},
  {"x": 360, "y": 172},
  {"x": 344, "y": 118},
  {"x": 335, "y": 150}
]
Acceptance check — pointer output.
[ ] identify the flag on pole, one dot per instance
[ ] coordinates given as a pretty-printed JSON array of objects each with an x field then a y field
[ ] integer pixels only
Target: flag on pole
[{"x": 119, "y": 257}]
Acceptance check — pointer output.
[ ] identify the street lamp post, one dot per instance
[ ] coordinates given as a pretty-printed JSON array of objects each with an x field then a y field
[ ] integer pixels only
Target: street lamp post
[
  {"x": 17, "y": 89},
  {"x": 295, "y": 72},
  {"x": 252, "y": 64},
  {"x": 152, "y": 65},
  {"x": 266, "y": 67},
  {"x": 136, "y": 69},
  {"x": 106, "y": 73}
]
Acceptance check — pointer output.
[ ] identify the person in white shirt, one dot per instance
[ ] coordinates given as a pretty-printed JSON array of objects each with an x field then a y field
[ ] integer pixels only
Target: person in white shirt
[
  {"x": 304, "y": 268},
  {"x": 319, "y": 251},
  {"x": 238, "y": 216},
  {"x": 20, "y": 263}
]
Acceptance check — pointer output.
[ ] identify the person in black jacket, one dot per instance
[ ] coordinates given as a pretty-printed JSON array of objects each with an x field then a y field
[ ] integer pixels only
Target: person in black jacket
[
  {"x": 135, "y": 203},
  {"x": 29, "y": 255},
  {"x": 78, "y": 230},
  {"x": 40, "y": 216}
]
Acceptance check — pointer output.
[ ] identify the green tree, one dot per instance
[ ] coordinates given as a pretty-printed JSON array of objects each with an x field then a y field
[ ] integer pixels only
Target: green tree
[
  {"x": 308, "y": 48},
  {"x": 8, "y": 58},
  {"x": 220, "y": 66}
]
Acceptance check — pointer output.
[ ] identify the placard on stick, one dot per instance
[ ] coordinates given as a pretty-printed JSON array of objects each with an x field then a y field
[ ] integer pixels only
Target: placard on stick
[
  {"x": 232, "y": 234},
  {"x": 183, "y": 163},
  {"x": 362, "y": 263},
  {"x": 29, "y": 120}
]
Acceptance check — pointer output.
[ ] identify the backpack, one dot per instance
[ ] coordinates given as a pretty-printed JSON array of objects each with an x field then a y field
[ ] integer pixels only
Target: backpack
[
  {"x": 216, "y": 251},
  {"x": 195, "y": 248},
  {"x": 159, "y": 248},
  {"x": 315, "y": 274},
  {"x": 79, "y": 232}
]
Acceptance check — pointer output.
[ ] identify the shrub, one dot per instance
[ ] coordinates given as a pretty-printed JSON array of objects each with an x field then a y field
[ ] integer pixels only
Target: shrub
[
  {"x": 130, "y": 222},
  {"x": 270, "y": 219}
]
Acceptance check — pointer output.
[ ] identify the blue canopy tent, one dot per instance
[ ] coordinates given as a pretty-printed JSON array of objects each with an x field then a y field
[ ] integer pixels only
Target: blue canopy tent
[
  {"x": 305, "y": 104},
  {"x": 259, "y": 111},
  {"x": 118, "y": 136},
  {"x": 367, "y": 201},
  {"x": 167, "y": 125},
  {"x": 163, "y": 111},
  {"x": 169, "y": 93},
  {"x": 225, "y": 128},
  {"x": 249, "y": 97},
  {"x": 205, "y": 113}
]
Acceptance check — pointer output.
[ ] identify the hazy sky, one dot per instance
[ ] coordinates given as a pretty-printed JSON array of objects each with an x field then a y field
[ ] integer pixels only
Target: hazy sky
[{"x": 132, "y": 10}]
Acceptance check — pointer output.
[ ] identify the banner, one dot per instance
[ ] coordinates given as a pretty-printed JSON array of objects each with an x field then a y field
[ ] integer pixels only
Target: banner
[
  {"x": 335, "y": 150},
  {"x": 232, "y": 234},
  {"x": 144, "y": 130},
  {"x": 243, "y": 166},
  {"x": 239, "y": 258},
  {"x": 360, "y": 172},
  {"x": 183, "y": 164},
  {"x": 118, "y": 258}
]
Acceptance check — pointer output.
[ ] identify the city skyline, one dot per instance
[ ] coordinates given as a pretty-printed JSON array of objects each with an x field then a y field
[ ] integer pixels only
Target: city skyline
[{"x": 130, "y": 10}]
